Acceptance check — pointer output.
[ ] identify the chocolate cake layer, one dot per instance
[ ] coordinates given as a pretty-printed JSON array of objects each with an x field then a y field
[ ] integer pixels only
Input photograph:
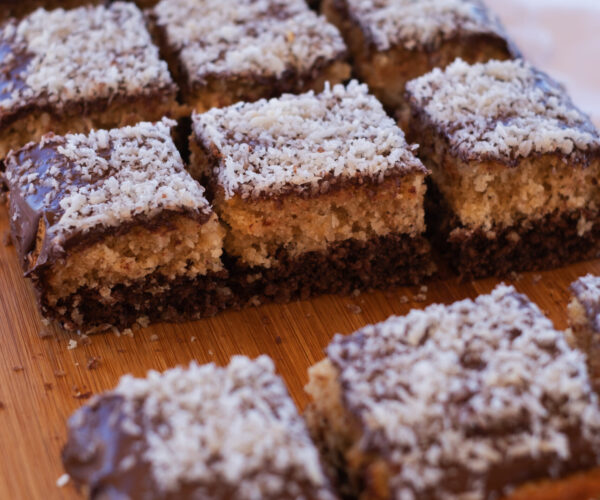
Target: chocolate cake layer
[
  {"x": 533, "y": 244},
  {"x": 380, "y": 262},
  {"x": 201, "y": 432},
  {"x": 149, "y": 300}
]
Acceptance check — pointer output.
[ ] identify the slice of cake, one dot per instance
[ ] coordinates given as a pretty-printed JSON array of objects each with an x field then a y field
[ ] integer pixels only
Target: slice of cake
[
  {"x": 515, "y": 167},
  {"x": 224, "y": 51},
  {"x": 319, "y": 193},
  {"x": 112, "y": 229},
  {"x": 198, "y": 433},
  {"x": 394, "y": 41},
  {"x": 71, "y": 71},
  {"x": 478, "y": 400},
  {"x": 584, "y": 319}
]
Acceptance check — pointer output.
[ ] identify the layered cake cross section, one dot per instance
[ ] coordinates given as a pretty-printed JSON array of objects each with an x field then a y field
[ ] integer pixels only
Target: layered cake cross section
[
  {"x": 197, "y": 432},
  {"x": 318, "y": 193},
  {"x": 112, "y": 229},
  {"x": 477, "y": 400},
  {"x": 68, "y": 71},
  {"x": 225, "y": 51},
  {"x": 515, "y": 167},
  {"x": 394, "y": 41}
]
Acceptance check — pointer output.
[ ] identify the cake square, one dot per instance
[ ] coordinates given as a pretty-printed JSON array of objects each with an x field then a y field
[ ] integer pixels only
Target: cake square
[
  {"x": 394, "y": 41},
  {"x": 224, "y": 51},
  {"x": 319, "y": 193},
  {"x": 476, "y": 400},
  {"x": 584, "y": 320},
  {"x": 111, "y": 229},
  {"x": 71, "y": 71},
  {"x": 202, "y": 432},
  {"x": 515, "y": 167}
]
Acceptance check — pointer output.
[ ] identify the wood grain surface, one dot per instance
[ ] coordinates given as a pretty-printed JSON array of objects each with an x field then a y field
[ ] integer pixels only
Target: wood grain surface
[{"x": 42, "y": 381}]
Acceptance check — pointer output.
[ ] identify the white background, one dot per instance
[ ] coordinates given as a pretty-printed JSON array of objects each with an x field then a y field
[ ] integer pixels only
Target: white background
[{"x": 561, "y": 37}]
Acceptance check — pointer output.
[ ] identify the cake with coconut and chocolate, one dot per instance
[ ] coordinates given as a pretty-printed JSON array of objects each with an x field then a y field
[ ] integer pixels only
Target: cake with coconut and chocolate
[
  {"x": 394, "y": 41},
  {"x": 318, "y": 192},
  {"x": 480, "y": 399},
  {"x": 71, "y": 71},
  {"x": 225, "y": 51},
  {"x": 584, "y": 320},
  {"x": 112, "y": 229},
  {"x": 515, "y": 167},
  {"x": 202, "y": 432}
]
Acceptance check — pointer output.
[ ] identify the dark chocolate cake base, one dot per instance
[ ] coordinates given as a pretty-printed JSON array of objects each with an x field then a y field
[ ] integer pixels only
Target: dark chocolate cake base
[
  {"x": 178, "y": 300},
  {"x": 531, "y": 245},
  {"x": 380, "y": 262}
]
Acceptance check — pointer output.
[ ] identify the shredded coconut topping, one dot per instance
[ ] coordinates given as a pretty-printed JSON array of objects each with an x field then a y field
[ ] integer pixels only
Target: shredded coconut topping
[
  {"x": 469, "y": 390},
  {"x": 79, "y": 55},
  {"x": 241, "y": 37},
  {"x": 235, "y": 425},
  {"x": 502, "y": 110},
  {"x": 105, "y": 178},
  {"x": 304, "y": 143},
  {"x": 419, "y": 23},
  {"x": 587, "y": 291}
]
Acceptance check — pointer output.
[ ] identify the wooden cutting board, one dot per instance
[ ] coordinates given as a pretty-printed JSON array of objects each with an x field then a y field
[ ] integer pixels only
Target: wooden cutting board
[{"x": 42, "y": 381}]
